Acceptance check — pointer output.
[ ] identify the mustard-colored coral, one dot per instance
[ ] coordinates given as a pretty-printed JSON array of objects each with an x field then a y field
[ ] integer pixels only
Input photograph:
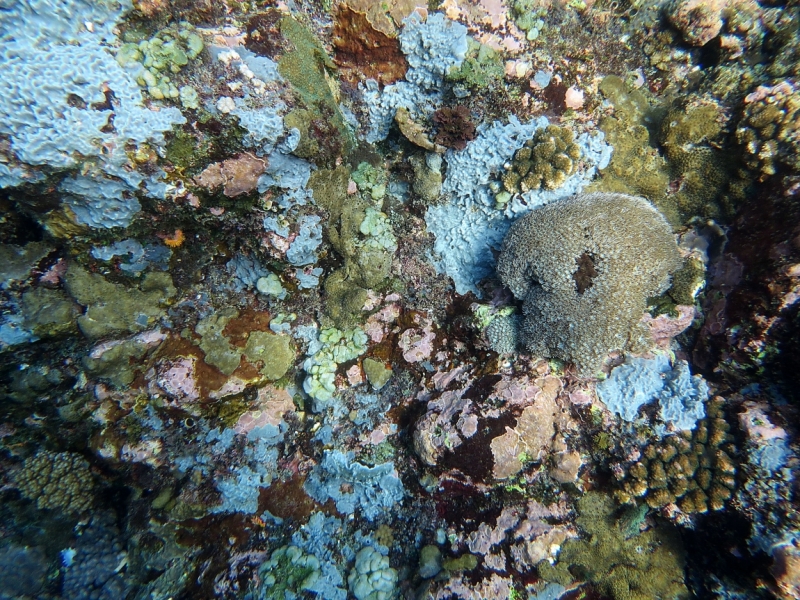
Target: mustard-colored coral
[
  {"x": 694, "y": 469},
  {"x": 57, "y": 480},
  {"x": 669, "y": 154},
  {"x": 545, "y": 161},
  {"x": 642, "y": 567},
  {"x": 769, "y": 131}
]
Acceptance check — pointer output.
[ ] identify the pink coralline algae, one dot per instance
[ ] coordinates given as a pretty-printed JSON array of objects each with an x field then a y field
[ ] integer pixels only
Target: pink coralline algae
[
  {"x": 417, "y": 344},
  {"x": 699, "y": 21},
  {"x": 146, "y": 451},
  {"x": 271, "y": 404},
  {"x": 493, "y": 587},
  {"x": 238, "y": 175},
  {"x": 664, "y": 327},
  {"x": 756, "y": 423},
  {"x": 177, "y": 379},
  {"x": 448, "y": 419},
  {"x": 531, "y": 438},
  {"x": 482, "y": 540},
  {"x": 377, "y": 324}
]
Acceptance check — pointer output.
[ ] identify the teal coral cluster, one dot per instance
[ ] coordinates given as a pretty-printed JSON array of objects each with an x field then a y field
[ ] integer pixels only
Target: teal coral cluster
[
  {"x": 288, "y": 572},
  {"x": 334, "y": 347}
]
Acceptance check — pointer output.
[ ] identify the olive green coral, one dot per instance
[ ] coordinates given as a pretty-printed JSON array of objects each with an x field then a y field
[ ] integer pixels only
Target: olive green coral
[
  {"x": 694, "y": 469},
  {"x": 360, "y": 233},
  {"x": 638, "y": 567},
  {"x": 690, "y": 176},
  {"x": 57, "y": 480},
  {"x": 583, "y": 268},
  {"x": 545, "y": 161},
  {"x": 114, "y": 308}
]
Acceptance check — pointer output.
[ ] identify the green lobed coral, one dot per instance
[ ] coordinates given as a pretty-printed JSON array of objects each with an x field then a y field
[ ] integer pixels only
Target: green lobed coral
[
  {"x": 481, "y": 67},
  {"x": 690, "y": 136},
  {"x": 164, "y": 54},
  {"x": 528, "y": 15},
  {"x": 636, "y": 167},
  {"x": 336, "y": 347},
  {"x": 359, "y": 232},
  {"x": 57, "y": 480},
  {"x": 48, "y": 313},
  {"x": 623, "y": 566},
  {"x": 688, "y": 281},
  {"x": 288, "y": 573},
  {"x": 308, "y": 68},
  {"x": 118, "y": 362}
]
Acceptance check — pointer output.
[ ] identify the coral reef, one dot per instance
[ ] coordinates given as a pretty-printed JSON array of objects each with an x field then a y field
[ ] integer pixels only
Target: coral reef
[{"x": 479, "y": 299}]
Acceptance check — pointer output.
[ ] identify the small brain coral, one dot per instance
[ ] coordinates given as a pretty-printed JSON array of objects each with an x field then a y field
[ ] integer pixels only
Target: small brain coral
[{"x": 583, "y": 268}]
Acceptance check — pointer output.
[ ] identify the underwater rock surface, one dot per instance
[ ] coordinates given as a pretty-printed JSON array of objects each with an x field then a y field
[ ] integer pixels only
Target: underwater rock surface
[{"x": 394, "y": 300}]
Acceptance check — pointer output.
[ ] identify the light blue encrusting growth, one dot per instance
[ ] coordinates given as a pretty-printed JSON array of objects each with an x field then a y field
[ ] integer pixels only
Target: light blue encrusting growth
[
  {"x": 640, "y": 381},
  {"x": 66, "y": 100},
  {"x": 372, "y": 490},
  {"x": 468, "y": 227},
  {"x": 432, "y": 47}
]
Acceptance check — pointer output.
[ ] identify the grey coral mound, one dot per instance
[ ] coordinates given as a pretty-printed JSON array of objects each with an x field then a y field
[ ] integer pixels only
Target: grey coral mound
[{"x": 584, "y": 268}]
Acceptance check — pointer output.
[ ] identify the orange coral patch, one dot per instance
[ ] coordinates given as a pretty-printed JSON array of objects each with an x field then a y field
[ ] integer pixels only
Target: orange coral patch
[{"x": 175, "y": 240}]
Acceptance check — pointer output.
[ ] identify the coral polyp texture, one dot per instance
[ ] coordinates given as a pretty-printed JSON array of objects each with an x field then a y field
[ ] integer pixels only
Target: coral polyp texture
[
  {"x": 583, "y": 269},
  {"x": 57, "y": 480}
]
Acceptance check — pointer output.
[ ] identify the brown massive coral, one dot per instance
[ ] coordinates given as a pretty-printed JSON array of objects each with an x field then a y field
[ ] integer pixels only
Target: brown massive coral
[{"x": 583, "y": 268}]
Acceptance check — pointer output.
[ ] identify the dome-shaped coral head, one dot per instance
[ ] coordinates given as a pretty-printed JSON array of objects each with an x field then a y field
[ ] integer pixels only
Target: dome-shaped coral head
[{"x": 583, "y": 268}]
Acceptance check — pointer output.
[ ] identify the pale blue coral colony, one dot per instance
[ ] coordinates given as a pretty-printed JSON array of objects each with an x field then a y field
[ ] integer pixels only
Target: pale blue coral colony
[{"x": 50, "y": 57}]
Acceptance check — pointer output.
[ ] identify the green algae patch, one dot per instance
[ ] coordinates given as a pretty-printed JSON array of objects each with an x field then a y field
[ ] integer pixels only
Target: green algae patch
[
  {"x": 217, "y": 348},
  {"x": 275, "y": 352},
  {"x": 113, "y": 308},
  {"x": 308, "y": 68},
  {"x": 49, "y": 313},
  {"x": 622, "y": 564},
  {"x": 117, "y": 364},
  {"x": 378, "y": 374}
]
